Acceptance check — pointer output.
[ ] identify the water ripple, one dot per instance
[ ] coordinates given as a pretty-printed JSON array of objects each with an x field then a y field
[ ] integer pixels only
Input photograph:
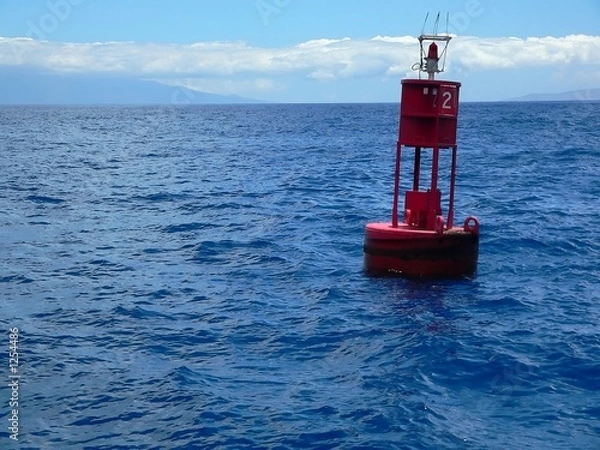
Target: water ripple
[{"x": 191, "y": 277}]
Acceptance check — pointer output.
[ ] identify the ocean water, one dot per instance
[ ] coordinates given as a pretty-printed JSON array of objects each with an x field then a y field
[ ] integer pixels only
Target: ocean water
[{"x": 191, "y": 277}]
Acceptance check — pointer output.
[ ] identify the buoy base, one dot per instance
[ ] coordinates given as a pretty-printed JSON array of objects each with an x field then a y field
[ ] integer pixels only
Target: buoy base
[{"x": 411, "y": 252}]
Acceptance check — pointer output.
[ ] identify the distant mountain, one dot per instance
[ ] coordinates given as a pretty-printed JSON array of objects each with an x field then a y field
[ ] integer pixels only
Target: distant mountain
[
  {"x": 30, "y": 86},
  {"x": 581, "y": 95}
]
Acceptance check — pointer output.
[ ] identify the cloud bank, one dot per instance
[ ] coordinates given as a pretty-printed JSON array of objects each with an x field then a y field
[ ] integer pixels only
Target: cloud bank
[{"x": 320, "y": 59}]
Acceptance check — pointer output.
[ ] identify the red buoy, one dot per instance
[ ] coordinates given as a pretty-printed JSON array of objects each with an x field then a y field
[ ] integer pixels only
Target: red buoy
[{"x": 425, "y": 242}]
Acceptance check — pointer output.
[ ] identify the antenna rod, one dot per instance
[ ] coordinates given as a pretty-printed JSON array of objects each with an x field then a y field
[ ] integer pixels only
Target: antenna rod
[
  {"x": 436, "y": 24},
  {"x": 424, "y": 23}
]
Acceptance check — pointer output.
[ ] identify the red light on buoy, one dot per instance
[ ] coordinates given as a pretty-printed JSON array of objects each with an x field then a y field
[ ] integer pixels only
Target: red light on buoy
[
  {"x": 432, "y": 53},
  {"x": 425, "y": 243},
  {"x": 432, "y": 61}
]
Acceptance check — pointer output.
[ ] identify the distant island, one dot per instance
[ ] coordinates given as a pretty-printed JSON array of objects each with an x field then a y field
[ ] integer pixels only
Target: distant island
[
  {"x": 588, "y": 95},
  {"x": 30, "y": 87}
]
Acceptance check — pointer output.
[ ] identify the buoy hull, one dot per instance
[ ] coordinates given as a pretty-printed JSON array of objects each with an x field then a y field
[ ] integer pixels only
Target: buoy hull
[{"x": 410, "y": 252}]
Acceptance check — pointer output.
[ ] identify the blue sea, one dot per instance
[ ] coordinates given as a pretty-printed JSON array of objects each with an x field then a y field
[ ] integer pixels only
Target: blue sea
[{"x": 191, "y": 277}]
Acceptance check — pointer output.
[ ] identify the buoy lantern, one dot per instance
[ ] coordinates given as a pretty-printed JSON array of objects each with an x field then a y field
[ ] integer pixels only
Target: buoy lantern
[{"x": 425, "y": 243}]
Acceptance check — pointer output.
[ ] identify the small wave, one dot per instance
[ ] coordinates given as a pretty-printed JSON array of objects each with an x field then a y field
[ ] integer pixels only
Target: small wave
[
  {"x": 45, "y": 199},
  {"x": 186, "y": 227}
]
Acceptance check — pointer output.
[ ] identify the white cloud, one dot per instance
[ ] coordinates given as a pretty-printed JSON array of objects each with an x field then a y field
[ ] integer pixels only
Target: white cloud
[
  {"x": 320, "y": 59},
  {"x": 502, "y": 53}
]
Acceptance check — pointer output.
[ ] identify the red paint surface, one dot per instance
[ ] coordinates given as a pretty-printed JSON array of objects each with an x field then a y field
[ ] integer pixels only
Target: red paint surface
[{"x": 407, "y": 251}]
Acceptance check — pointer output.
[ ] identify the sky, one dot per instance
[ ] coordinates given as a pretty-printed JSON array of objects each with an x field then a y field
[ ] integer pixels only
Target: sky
[{"x": 309, "y": 50}]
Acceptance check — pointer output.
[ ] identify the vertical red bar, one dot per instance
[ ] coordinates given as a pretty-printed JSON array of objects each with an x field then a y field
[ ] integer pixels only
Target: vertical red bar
[
  {"x": 452, "y": 184},
  {"x": 396, "y": 186},
  {"x": 432, "y": 212}
]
